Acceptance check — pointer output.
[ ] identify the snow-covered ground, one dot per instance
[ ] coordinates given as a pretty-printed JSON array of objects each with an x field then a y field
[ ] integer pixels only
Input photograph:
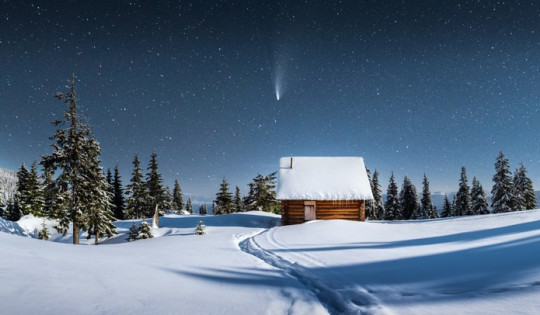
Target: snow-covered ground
[{"x": 245, "y": 265}]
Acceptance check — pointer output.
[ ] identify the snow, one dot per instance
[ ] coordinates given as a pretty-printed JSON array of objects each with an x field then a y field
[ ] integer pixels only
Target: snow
[
  {"x": 323, "y": 178},
  {"x": 245, "y": 264}
]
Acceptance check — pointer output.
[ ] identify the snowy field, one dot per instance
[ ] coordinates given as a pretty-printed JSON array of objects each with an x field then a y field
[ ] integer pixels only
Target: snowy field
[{"x": 245, "y": 265}]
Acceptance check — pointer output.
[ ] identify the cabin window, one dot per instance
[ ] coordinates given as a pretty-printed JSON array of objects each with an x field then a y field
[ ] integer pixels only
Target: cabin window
[{"x": 309, "y": 210}]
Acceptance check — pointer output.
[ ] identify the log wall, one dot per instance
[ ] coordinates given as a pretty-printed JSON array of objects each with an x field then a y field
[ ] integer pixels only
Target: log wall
[{"x": 292, "y": 211}]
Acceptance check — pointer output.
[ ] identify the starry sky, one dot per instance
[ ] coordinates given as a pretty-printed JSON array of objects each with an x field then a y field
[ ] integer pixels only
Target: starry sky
[{"x": 412, "y": 86}]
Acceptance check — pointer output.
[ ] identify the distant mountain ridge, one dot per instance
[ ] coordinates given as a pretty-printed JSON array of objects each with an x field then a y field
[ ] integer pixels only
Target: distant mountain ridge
[{"x": 8, "y": 184}]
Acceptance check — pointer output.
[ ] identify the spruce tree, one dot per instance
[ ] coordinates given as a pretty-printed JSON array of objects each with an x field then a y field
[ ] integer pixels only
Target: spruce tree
[
  {"x": 408, "y": 199},
  {"x": 524, "y": 196},
  {"x": 502, "y": 198},
  {"x": 238, "y": 202},
  {"x": 262, "y": 194},
  {"x": 119, "y": 202},
  {"x": 110, "y": 181},
  {"x": 44, "y": 233},
  {"x": 370, "y": 205},
  {"x": 479, "y": 203},
  {"x": 156, "y": 190},
  {"x": 177, "y": 198},
  {"x": 137, "y": 191},
  {"x": 463, "y": 196},
  {"x": 427, "y": 205},
  {"x": 189, "y": 207},
  {"x": 49, "y": 193},
  {"x": 13, "y": 211},
  {"x": 34, "y": 193},
  {"x": 447, "y": 208},
  {"x": 224, "y": 199},
  {"x": 392, "y": 206},
  {"x": 203, "y": 210},
  {"x": 76, "y": 155},
  {"x": 378, "y": 207},
  {"x": 22, "y": 194}
]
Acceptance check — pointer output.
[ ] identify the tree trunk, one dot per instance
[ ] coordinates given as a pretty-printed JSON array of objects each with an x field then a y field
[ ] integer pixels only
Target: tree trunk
[
  {"x": 97, "y": 239},
  {"x": 75, "y": 234},
  {"x": 155, "y": 222}
]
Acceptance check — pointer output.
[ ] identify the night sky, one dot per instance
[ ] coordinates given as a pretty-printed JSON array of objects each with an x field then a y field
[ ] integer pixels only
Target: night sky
[{"x": 412, "y": 86}]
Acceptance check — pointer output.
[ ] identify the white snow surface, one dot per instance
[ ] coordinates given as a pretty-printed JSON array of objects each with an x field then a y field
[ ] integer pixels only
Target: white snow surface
[
  {"x": 246, "y": 265},
  {"x": 323, "y": 178}
]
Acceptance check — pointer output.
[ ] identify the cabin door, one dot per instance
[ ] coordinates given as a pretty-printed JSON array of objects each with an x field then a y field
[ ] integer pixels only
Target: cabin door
[{"x": 309, "y": 211}]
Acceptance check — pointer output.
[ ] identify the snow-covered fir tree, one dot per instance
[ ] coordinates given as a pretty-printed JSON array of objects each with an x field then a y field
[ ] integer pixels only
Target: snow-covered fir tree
[
  {"x": 156, "y": 190},
  {"x": 408, "y": 199},
  {"x": 189, "y": 206},
  {"x": 21, "y": 195},
  {"x": 224, "y": 199},
  {"x": 143, "y": 231},
  {"x": 238, "y": 201},
  {"x": 177, "y": 198},
  {"x": 369, "y": 204},
  {"x": 201, "y": 228},
  {"x": 479, "y": 203},
  {"x": 463, "y": 196},
  {"x": 35, "y": 201},
  {"x": 524, "y": 196},
  {"x": 378, "y": 207},
  {"x": 49, "y": 193},
  {"x": 447, "y": 208},
  {"x": 76, "y": 156},
  {"x": 137, "y": 192},
  {"x": 392, "y": 207},
  {"x": 262, "y": 194},
  {"x": 44, "y": 232},
  {"x": 110, "y": 181},
  {"x": 119, "y": 202},
  {"x": 13, "y": 211},
  {"x": 502, "y": 198},
  {"x": 426, "y": 204},
  {"x": 202, "y": 209}
]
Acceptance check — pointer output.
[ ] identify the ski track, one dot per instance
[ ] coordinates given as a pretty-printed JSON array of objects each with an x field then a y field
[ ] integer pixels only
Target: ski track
[{"x": 337, "y": 301}]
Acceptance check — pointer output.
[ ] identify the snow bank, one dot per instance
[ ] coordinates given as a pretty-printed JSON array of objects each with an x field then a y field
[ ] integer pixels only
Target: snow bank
[{"x": 323, "y": 178}]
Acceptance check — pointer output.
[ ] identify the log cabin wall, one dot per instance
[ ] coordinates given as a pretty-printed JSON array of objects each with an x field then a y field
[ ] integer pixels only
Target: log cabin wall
[{"x": 292, "y": 211}]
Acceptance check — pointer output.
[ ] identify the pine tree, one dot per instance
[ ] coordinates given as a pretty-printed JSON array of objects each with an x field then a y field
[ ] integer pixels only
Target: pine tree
[
  {"x": 427, "y": 205},
  {"x": 177, "y": 198},
  {"x": 137, "y": 191},
  {"x": 44, "y": 233},
  {"x": 49, "y": 193},
  {"x": 76, "y": 155},
  {"x": 189, "y": 207},
  {"x": 408, "y": 199},
  {"x": 118, "y": 201},
  {"x": 138, "y": 233},
  {"x": 23, "y": 199},
  {"x": 13, "y": 211},
  {"x": 202, "y": 209},
  {"x": 479, "y": 203},
  {"x": 262, "y": 194},
  {"x": 524, "y": 196},
  {"x": 392, "y": 206},
  {"x": 378, "y": 208},
  {"x": 34, "y": 193},
  {"x": 238, "y": 202},
  {"x": 156, "y": 190},
  {"x": 502, "y": 199},
  {"x": 463, "y": 196},
  {"x": 447, "y": 208},
  {"x": 110, "y": 181},
  {"x": 224, "y": 200},
  {"x": 370, "y": 204}
]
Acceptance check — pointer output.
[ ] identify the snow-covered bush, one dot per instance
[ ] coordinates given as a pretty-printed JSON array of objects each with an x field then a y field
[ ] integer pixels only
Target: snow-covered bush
[
  {"x": 142, "y": 232},
  {"x": 201, "y": 228},
  {"x": 44, "y": 233}
]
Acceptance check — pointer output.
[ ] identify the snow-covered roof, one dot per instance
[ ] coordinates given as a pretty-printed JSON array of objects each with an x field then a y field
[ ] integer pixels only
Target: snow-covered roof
[{"x": 323, "y": 178}]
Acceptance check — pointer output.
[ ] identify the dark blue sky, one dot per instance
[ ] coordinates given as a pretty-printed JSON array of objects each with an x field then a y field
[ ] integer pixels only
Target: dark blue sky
[{"x": 414, "y": 87}]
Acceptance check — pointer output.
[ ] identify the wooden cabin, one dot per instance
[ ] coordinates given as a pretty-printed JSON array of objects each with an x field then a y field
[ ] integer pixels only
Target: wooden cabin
[{"x": 322, "y": 188}]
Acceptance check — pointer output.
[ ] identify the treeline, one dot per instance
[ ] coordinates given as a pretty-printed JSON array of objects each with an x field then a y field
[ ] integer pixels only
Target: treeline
[
  {"x": 510, "y": 192},
  {"x": 261, "y": 196}
]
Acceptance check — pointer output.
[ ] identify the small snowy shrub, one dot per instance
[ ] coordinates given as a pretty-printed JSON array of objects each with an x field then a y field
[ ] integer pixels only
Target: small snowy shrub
[
  {"x": 201, "y": 229},
  {"x": 44, "y": 233},
  {"x": 142, "y": 232}
]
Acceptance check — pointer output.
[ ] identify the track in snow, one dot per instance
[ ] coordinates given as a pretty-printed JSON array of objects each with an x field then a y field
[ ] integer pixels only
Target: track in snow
[{"x": 336, "y": 301}]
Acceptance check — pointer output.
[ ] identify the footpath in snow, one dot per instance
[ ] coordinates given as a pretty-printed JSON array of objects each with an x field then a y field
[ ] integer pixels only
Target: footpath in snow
[{"x": 480, "y": 264}]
